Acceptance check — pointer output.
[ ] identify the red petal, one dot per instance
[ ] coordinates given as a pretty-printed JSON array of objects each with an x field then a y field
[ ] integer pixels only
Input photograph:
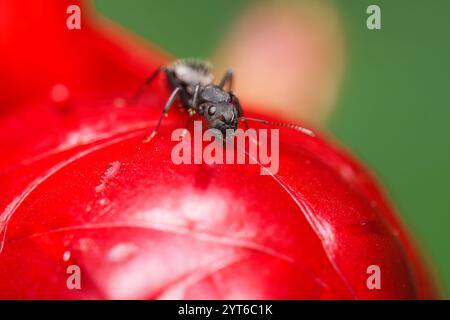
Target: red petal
[{"x": 79, "y": 187}]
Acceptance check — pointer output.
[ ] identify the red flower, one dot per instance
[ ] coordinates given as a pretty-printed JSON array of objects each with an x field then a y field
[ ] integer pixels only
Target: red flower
[{"x": 80, "y": 189}]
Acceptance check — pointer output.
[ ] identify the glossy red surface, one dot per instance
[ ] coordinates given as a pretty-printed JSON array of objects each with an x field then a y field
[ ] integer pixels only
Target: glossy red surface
[{"x": 78, "y": 187}]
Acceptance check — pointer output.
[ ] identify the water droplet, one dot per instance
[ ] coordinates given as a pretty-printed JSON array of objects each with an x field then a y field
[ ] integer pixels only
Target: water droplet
[
  {"x": 59, "y": 93},
  {"x": 66, "y": 255}
]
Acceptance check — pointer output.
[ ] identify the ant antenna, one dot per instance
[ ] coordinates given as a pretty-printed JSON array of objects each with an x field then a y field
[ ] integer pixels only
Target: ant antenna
[{"x": 281, "y": 124}]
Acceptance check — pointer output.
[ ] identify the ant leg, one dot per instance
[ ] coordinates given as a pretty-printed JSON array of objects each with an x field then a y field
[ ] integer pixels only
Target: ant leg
[
  {"x": 174, "y": 83},
  {"x": 166, "y": 109},
  {"x": 195, "y": 98},
  {"x": 241, "y": 115},
  {"x": 239, "y": 107},
  {"x": 146, "y": 84},
  {"x": 191, "y": 112},
  {"x": 227, "y": 78}
]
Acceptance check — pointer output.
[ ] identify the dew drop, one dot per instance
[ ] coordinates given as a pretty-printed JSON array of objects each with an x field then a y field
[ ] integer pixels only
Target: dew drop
[
  {"x": 66, "y": 255},
  {"x": 59, "y": 93}
]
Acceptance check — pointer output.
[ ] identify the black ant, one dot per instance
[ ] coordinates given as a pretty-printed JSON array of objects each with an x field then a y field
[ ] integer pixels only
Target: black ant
[{"x": 191, "y": 80}]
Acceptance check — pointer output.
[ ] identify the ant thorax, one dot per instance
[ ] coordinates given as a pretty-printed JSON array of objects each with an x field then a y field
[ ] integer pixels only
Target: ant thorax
[{"x": 191, "y": 73}]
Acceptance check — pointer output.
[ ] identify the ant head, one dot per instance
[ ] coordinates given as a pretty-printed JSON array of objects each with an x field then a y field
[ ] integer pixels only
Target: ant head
[{"x": 222, "y": 116}]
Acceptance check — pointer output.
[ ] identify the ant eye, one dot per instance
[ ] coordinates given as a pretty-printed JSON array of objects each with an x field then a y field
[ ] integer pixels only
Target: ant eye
[{"x": 212, "y": 111}]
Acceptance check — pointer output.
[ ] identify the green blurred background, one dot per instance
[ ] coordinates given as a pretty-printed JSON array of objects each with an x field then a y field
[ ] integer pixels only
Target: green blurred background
[{"x": 393, "y": 112}]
